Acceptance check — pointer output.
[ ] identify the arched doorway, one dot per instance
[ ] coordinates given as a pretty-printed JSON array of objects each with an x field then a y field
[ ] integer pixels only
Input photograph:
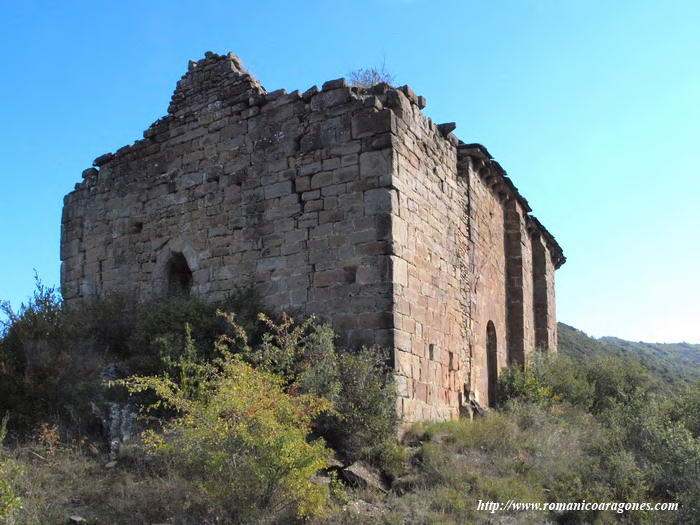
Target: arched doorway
[
  {"x": 179, "y": 275},
  {"x": 492, "y": 361}
]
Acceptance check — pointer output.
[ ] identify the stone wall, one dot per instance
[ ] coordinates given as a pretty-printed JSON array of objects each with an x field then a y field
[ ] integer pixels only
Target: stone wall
[
  {"x": 513, "y": 259},
  {"x": 343, "y": 202},
  {"x": 430, "y": 237},
  {"x": 280, "y": 190},
  {"x": 487, "y": 233}
]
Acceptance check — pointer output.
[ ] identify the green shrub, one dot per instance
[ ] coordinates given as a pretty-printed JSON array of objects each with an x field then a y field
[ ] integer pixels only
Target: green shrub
[
  {"x": 566, "y": 379},
  {"x": 10, "y": 503},
  {"x": 158, "y": 326},
  {"x": 597, "y": 385},
  {"x": 616, "y": 380},
  {"x": 667, "y": 450},
  {"x": 684, "y": 407},
  {"x": 365, "y": 423},
  {"x": 51, "y": 355},
  {"x": 304, "y": 355},
  {"x": 240, "y": 438},
  {"x": 524, "y": 385},
  {"x": 359, "y": 383},
  {"x": 48, "y": 370}
]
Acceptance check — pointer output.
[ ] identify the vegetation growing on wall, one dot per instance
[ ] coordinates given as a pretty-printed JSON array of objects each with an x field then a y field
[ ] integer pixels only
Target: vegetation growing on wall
[{"x": 370, "y": 76}]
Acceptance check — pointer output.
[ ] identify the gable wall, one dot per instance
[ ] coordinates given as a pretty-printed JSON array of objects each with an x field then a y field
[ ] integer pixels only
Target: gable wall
[{"x": 276, "y": 190}]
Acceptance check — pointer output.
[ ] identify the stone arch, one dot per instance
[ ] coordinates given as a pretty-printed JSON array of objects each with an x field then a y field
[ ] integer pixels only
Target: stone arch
[
  {"x": 492, "y": 361},
  {"x": 176, "y": 266},
  {"x": 178, "y": 275}
]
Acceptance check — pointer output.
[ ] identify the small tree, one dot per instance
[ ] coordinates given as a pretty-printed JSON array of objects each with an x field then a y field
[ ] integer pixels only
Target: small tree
[{"x": 239, "y": 436}]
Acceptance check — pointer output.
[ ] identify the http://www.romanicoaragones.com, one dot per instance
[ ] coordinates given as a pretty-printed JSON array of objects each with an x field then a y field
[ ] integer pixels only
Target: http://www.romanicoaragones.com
[{"x": 612, "y": 506}]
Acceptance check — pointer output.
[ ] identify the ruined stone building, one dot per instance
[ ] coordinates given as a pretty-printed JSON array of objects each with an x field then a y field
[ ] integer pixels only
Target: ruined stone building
[{"x": 344, "y": 202}]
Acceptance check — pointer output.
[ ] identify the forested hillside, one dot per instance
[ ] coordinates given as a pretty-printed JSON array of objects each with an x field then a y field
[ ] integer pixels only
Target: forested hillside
[{"x": 669, "y": 362}]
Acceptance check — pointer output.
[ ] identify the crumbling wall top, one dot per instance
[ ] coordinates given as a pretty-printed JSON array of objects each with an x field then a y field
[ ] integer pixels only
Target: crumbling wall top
[
  {"x": 477, "y": 158},
  {"x": 217, "y": 82},
  {"x": 213, "y": 79}
]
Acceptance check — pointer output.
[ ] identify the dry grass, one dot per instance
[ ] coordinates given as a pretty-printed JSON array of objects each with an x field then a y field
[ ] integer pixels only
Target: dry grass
[
  {"x": 525, "y": 454},
  {"x": 72, "y": 481}
]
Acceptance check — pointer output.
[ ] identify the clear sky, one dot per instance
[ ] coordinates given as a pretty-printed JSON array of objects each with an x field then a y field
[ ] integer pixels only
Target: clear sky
[{"x": 593, "y": 107}]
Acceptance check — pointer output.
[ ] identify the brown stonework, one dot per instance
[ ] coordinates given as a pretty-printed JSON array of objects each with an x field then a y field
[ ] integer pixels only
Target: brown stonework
[{"x": 344, "y": 202}]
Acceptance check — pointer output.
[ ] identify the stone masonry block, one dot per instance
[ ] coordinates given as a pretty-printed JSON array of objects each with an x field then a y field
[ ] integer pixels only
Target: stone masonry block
[
  {"x": 370, "y": 123},
  {"x": 369, "y": 273},
  {"x": 302, "y": 184},
  {"x": 321, "y": 179},
  {"x": 278, "y": 190},
  {"x": 399, "y": 269},
  {"x": 376, "y": 163},
  {"x": 402, "y": 362},
  {"x": 378, "y": 200}
]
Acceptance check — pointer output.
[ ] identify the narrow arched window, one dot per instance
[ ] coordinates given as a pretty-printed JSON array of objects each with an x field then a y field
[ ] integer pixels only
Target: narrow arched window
[
  {"x": 492, "y": 361},
  {"x": 179, "y": 275}
]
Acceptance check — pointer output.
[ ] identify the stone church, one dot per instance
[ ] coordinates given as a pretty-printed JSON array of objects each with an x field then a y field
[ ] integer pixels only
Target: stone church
[{"x": 344, "y": 202}]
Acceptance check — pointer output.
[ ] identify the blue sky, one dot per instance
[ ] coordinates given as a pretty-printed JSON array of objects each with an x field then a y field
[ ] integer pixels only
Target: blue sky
[{"x": 591, "y": 106}]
